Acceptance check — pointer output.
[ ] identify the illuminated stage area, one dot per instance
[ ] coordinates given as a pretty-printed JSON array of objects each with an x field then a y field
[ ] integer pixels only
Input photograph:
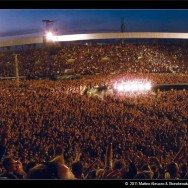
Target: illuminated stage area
[
  {"x": 129, "y": 89},
  {"x": 137, "y": 86}
]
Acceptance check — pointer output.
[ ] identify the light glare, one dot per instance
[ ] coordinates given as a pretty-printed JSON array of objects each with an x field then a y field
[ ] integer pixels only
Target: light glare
[
  {"x": 133, "y": 86},
  {"x": 148, "y": 86},
  {"x": 50, "y": 36}
]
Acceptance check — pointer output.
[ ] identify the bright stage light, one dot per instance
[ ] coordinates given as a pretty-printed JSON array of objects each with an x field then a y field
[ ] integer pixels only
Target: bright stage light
[
  {"x": 140, "y": 87},
  {"x": 50, "y": 36},
  {"x": 127, "y": 87},
  {"x": 148, "y": 86},
  {"x": 133, "y": 86},
  {"x": 120, "y": 87}
]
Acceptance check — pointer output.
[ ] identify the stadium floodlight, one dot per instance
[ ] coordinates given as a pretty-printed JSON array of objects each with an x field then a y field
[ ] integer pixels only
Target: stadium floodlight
[{"x": 50, "y": 36}]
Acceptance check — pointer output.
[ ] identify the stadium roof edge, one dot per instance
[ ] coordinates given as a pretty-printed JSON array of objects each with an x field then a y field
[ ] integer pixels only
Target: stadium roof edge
[{"x": 96, "y": 36}]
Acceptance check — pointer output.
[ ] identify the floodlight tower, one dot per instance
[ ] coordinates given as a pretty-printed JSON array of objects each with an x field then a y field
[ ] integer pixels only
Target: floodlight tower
[
  {"x": 48, "y": 25},
  {"x": 17, "y": 69},
  {"x": 122, "y": 27},
  {"x": 49, "y": 30}
]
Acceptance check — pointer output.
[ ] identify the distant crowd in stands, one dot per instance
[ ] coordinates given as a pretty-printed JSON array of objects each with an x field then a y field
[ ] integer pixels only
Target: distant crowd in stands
[{"x": 101, "y": 59}]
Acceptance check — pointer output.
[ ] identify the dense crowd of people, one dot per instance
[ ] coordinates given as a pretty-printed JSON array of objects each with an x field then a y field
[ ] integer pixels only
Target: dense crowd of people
[
  {"x": 52, "y": 130},
  {"x": 43, "y": 114}
]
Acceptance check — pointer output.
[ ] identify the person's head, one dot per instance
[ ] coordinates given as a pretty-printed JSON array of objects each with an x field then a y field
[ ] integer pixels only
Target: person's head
[
  {"x": 173, "y": 169},
  {"x": 92, "y": 175},
  {"x": 77, "y": 169},
  {"x": 118, "y": 164},
  {"x": 154, "y": 169},
  {"x": 9, "y": 164},
  {"x": 129, "y": 171},
  {"x": 59, "y": 150},
  {"x": 18, "y": 166},
  {"x": 163, "y": 174},
  {"x": 29, "y": 166},
  {"x": 183, "y": 169}
]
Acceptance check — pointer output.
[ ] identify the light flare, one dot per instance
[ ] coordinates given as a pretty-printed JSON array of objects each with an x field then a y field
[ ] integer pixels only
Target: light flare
[
  {"x": 133, "y": 86},
  {"x": 50, "y": 36}
]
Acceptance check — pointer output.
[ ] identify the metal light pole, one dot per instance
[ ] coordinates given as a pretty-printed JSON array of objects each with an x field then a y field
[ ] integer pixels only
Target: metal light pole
[
  {"x": 17, "y": 70},
  {"x": 48, "y": 28},
  {"x": 122, "y": 28}
]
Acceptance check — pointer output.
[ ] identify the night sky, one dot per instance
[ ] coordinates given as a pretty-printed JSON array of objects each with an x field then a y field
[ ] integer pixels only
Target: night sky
[{"x": 21, "y": 22}]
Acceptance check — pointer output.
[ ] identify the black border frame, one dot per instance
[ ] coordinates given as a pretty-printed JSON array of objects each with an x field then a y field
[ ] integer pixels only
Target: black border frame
[
  {"x": 87, "y": 4},
  {"x": 91, "y": 4}
]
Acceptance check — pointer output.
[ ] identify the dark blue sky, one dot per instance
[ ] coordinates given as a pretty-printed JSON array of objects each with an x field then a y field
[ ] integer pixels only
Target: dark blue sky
[{"x": 18, "y": 22}]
